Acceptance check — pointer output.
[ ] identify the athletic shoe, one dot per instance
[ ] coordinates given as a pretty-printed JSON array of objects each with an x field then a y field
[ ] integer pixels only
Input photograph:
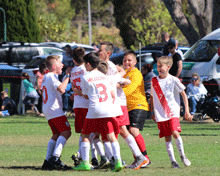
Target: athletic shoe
[
  {"x": 185, "y": 161},
  {"x": 58, "y": 164},
  {"x": 84, "y": 166},
  {"x": 123, "y": 163},
  {"x": 112, "y": 163},
  {"x": 76, "y": 159},
  {"x": 146, "y": 164},
  {"x": 94, "y": 162},
  {"x": 175, "y": 165},
  {"x": 104, "y": 163},
  {"x": 47, "y": 166},
  {"x": 118, "y": 165},
  {"x": 139, "y": 161}
]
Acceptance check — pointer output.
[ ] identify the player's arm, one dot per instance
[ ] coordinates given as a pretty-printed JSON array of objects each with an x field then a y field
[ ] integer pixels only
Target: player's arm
[
  {"x": 188, "y": 116},
  {"x": 61, "y": 88},
  {"x": 135, "y": 82},
  {"x": 152, "y": 108},
  {"x": 180, "y": 66}
]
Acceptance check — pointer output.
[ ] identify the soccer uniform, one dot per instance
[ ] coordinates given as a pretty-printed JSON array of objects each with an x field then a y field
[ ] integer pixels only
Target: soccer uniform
[
  {"x": 136, "y": 100},
  {"x": 122, "y": 119},
  {"x": 52, "y": 104},
  {"x": 101, "y": 113},
  {"x": 80, "y": 104},
  {"x": 171, "y": 88}
]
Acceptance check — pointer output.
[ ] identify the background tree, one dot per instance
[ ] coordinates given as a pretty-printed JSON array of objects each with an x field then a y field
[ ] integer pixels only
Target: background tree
[
  {"x": 206, "y": 15},
  {"x": 21, "y": 21}
]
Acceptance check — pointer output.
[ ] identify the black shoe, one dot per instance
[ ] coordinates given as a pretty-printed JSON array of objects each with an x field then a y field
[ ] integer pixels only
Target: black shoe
[
  {"x": 47, "y": 166},
  {"x": 112, "y": 163},
  {"x": 58, "y": 164},
  {"x": 76, "y": 159},
  {"x": 104, "y": 163},
  {"x": 94, "y": 162},
  {"x": 175, "y": 165}
]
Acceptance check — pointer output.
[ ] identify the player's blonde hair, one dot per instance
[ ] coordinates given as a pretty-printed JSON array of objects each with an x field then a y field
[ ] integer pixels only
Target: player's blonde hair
[
  {"x": 167, "y": 60},
  {"x": 50, "y": 60}
]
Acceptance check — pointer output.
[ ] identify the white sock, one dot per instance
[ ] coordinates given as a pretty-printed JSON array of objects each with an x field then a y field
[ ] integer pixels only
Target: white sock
[
  {"x": 93, "y": 149},
  {"x": 179, "y": 145},
  {"x": 61, "y": 141},
  {"x": 50, "y": 149},
  {"x": 170, "y": 151},
  {"x": 108, "y": 150},
  {"x": 99, "y": 147},
  {"x": 85, "y": 146},
  {"x": 133, "y": 145},
  {"x": 116, "y": 150},
  {"x": 79, "y": 151}
]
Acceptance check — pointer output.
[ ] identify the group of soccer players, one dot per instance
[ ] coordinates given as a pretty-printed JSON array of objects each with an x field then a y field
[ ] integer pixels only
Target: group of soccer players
[{"x": 100, "y": 108}]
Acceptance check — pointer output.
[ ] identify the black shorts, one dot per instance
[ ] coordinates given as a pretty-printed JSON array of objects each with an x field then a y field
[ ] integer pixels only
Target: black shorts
[{"x": 137, "y": 118}]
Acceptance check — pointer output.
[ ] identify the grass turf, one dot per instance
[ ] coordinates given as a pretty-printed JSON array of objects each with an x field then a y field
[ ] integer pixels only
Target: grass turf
[{"x": 23, "y": 145}]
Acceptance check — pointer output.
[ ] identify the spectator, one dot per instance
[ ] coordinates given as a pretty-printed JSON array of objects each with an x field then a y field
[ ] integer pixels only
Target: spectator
[
  {"x": 165, "y": 37},
  {"x": 40, "y": 75},
  {"x": 149, "y": 74},
  {"x": 154, "y": 64},
  {"x": 8, "y": 105},
  {"x": 178, "y": 51},
  {"x": 66, "y": 97},
  {"x": 196, "y": 93},
  {"x": 177, "y": 66},
  {"x": 67, "y": 56},
  {"x": 32, "y": 96}
]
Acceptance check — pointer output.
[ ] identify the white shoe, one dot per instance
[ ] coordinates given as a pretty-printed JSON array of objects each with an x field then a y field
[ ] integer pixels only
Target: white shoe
[{"x": 185, "y": 161}]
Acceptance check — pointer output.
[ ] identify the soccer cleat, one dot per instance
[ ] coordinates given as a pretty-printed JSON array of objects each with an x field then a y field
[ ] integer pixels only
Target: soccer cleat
[
  {"x": 146, "y": 164},
  {"x": 47, "y": 166},
  {"x": 58, "y": 164},
  {"x": 118, "y": 165},
  {"x": 175, "y": 165},
  {"x": 185, "y": 161},
  {"x": 104, "y": 163},
  {"x": 84, "y": 166},
  {"x": 139, "y": 161},
  {"x": 94, "y": 162},
  {"x": 76, "y": 159}
]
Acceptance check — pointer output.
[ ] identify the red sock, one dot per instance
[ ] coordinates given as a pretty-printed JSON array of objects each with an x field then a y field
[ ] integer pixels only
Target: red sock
[{"x": 141, "y": 144}]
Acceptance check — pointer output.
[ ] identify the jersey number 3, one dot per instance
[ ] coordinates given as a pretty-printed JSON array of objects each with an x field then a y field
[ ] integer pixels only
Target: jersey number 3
[{"x": 102, "y": 93}]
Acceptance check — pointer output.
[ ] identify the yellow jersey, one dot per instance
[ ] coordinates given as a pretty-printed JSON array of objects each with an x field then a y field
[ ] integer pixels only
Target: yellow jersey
[{"x": 135, "y": 92}]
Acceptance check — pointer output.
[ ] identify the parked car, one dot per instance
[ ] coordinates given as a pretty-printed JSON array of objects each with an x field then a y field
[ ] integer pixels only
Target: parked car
[
  {"x": 19, "y": 53},
  {"x": 73, "y": 45},
  {"x": 202, "y": 58},
  {"x": 145, "y": 55}
]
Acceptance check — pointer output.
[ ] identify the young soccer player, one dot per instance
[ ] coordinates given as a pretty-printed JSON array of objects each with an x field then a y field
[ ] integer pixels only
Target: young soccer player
[
  {"x": 81, "y": 104},
  {"x": 100, "y": 117},
  {"x": 123, "y": 120},
  {"x": 136, "y": 101},
  {"x": 165, "y": 108},
  {"x": 52, "y": 90}
]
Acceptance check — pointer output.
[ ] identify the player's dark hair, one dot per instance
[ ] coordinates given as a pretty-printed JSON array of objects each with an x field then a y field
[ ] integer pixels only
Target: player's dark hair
[
  {"x": 92, "y": 58},
  {"x": 78, "y": 54},
  {"x": 108, "y": 46},
  {"x": 103, "y": 66}
]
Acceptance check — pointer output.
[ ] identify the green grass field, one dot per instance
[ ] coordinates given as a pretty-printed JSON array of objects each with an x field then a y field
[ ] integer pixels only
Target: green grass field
[{"x": 23, "y": 144}]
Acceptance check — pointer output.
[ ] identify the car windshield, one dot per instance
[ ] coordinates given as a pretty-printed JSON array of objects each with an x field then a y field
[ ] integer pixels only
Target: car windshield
[
  {"x": 202, "y": 51},
  {"x": 34, "y": 63}
]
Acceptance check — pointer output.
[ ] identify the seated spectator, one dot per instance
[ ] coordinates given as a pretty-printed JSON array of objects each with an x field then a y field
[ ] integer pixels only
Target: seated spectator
[
  {"x": 148, "y": 75},
  {"x": 32, "y": 95},
  {"x": 196, "y": 93},
  {"x": 8, "y": 105}
]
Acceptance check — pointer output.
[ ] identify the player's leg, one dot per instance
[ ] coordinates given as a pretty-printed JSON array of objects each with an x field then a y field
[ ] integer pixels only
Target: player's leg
[
  {"x": 176, "y": 129},
  {"x": 129, "y": 139},
  {"x": 94, "y": 160},
  {"x": 137, "y": 119}
]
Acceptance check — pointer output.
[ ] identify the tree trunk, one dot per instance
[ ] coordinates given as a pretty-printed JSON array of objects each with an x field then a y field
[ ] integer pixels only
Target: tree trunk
[
  {"x": 175, "y": 9},
  {"x": 216, "y": 15}
]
